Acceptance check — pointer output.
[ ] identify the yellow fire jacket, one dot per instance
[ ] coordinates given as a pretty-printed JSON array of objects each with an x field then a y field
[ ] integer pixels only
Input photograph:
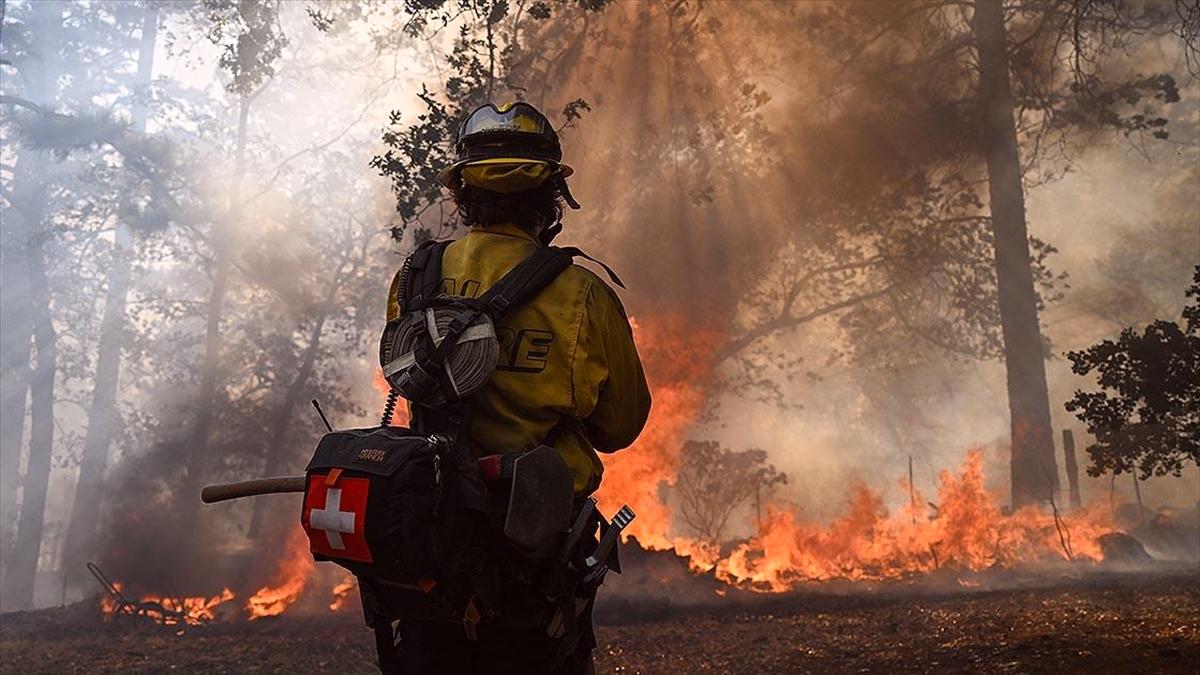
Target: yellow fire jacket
[{"x": 567, "y": 359}]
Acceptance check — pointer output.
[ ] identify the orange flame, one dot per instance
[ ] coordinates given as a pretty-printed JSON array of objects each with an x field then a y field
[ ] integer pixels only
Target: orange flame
[
  {"x": 108, "y": 604},
  {"x": 170, "y": 611},
  {"x": 293, "y": 572},
  {"x": 400, "y": 417},
  {"x": 969, "y": 530},
  {"x": 341, "y": 592},
  {"x": 678, "y": 372}
]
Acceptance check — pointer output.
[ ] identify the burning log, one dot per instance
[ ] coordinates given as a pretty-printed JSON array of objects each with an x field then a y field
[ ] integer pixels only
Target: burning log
[
  {"x": 165, "y": 611},
  {"x": 1119, "y": 547}
]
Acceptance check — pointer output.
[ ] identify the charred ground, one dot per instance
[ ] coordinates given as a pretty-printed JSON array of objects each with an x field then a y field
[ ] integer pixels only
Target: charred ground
[{"x": 1098, "y": 622}]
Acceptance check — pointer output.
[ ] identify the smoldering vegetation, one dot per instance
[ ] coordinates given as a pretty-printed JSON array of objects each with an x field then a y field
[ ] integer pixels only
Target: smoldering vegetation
[
  {"x": 1119, "y": 623},
  {"x": 196, "y": 243}
]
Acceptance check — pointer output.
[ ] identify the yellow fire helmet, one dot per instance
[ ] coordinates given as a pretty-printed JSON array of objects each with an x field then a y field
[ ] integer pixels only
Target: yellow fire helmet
[{"x": 507, "y": 149}]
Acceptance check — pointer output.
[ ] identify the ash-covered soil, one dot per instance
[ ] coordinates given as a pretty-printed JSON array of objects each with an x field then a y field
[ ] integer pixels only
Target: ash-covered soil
[{"x": 1101, "y": 623}]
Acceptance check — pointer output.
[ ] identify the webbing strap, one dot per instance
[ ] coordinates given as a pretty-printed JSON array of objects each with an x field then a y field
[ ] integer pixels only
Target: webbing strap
[
  {"x": 519, "y": 285},
  {"x": 525, "y": 280},
  {"x": 424, "y": 281},
  {"x": 385, "y": 645},
  {"x": 571, "y": 250},
  {"x": 425, "y": 274}
]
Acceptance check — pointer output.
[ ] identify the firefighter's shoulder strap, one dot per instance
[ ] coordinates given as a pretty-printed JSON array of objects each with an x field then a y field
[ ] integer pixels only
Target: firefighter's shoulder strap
[
  {"x": 422, "y": 281},
  {"x": 421, "y": 277},
  {"x": 521, "y": 284}
]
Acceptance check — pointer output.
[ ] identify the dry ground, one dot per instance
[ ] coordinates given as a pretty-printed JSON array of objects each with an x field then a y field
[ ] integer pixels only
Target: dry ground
[{"x": 1106, "y": 624}]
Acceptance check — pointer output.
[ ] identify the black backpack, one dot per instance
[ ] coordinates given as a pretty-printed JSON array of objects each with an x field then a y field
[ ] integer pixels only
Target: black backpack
[{"x": 385, "y": 504}]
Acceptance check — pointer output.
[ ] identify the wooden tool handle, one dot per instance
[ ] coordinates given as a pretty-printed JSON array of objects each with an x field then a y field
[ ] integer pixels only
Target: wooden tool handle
[{"x": 251, "y": 488}]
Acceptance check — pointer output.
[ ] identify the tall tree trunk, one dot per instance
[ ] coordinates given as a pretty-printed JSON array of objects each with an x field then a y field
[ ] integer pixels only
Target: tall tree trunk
[
  {"x": 198, "y": 460},
  {"x": 103, "y": 418},
  {"x": 17, "y": 225},
  {"x": 14, "y": 369},
  {"x": 20, "y": 575},
  {"x": 16, "y": 336},
  {"x": 1034, "y": 470}
]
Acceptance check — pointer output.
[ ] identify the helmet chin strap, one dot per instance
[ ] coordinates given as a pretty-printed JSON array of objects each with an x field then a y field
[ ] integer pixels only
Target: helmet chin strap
[
  {"x": 548, "y": 234},
  {"x": 561, "y": 184}
]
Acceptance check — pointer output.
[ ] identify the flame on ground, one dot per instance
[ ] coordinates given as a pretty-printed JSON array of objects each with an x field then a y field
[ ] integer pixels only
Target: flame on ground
[
  {"x": 341, "y": 592},
  {"x": 969, "y": 531},
  {"x": 170, "y": 611},
  {"x": 966, "y": 531},
  {"x": 676, "y": 357},
  {"x": 292, "y": 576}
]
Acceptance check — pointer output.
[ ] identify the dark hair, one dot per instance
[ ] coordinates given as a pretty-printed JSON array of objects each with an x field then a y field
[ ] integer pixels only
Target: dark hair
[{"x": 531, "y": 210}]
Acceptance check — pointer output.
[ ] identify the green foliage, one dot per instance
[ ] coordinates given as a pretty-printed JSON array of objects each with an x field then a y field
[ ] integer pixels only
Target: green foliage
[
  {"x": 322, "y": 21},
  {"x": 481, "y": 69},
  {"x": 64, "y": 134},
  {"x": 415, "y": 155},
  {"x": 1146, "y": 416},
  {"x": 250, "y": 38}
]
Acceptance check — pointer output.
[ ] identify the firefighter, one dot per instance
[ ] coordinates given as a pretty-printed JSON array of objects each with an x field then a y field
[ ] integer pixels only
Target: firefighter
[{"x": 568, "y": 376}]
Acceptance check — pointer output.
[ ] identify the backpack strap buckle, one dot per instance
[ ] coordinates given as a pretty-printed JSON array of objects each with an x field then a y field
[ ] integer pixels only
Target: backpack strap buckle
[{"x": 498, "y": 304}]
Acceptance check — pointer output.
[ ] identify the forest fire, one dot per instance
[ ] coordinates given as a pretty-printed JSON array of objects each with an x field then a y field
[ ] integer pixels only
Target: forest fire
[
  {"x": 913, "y": 285},
  {"x": 968, "y": 530},
  {"x": 293, "y": 576},
  {"x": 675, "y": 357},
  {"x": 965, "y": 529}
]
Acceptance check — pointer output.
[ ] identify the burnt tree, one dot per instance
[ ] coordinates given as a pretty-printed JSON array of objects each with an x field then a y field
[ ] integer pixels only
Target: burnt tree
[{"x": 1034, "y": 470}]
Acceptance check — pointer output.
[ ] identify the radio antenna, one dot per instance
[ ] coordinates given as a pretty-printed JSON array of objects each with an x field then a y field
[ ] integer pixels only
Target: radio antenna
[{"x": 322, "y": 414}]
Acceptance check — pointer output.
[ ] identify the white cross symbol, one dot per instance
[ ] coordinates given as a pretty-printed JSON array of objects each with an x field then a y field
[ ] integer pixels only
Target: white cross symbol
[{"x": 332, "y": 520}]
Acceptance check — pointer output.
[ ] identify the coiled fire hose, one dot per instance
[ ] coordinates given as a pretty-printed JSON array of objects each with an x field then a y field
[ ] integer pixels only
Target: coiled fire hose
[{"x": 468, "y": 365}]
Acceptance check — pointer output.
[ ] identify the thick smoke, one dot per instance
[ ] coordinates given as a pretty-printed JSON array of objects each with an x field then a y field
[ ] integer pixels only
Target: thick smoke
[
  {"x": 709, "y": 175},
  {"x": 693, "y": 233}
]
